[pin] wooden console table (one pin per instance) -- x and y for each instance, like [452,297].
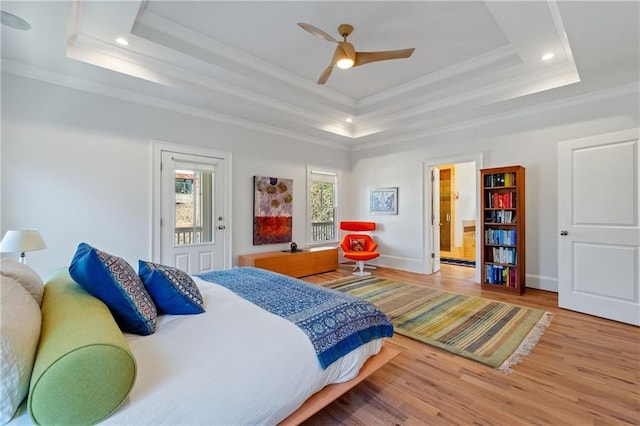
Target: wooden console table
[299,264]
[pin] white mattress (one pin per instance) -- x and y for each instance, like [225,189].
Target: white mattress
[234,364]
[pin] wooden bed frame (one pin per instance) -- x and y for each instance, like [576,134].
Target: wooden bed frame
[330,393]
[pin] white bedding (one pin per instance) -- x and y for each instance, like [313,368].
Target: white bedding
[235,364]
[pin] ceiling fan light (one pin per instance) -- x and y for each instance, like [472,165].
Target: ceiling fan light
[345,63]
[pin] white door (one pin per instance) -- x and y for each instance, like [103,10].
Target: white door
[598,218]
[435,219]
[193,231]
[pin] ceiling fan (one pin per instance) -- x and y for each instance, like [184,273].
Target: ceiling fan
[346,56]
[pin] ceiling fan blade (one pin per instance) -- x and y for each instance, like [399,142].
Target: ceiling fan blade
[317,32]
[337,54]
[367,57]
[325,74]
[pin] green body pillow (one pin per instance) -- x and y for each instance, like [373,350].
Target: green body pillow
[84,368]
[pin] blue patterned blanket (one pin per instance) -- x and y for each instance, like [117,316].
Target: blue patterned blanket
[335,322]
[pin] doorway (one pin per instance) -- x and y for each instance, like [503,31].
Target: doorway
[193,221]
[191,208]
[447,208]
[446,204]
[451,207]
[457,228]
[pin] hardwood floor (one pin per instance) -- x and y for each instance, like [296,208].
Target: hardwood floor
[583,371]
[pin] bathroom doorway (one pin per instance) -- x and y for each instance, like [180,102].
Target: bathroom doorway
[465,205]
[457,213]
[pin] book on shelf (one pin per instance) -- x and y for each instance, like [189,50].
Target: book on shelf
[500,236]
[504,255]
[496,180]
[501,275]
[496,200]
[500,216]
[510,179]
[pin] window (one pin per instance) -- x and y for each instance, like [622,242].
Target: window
[193,209]
[184,183]
[323,204]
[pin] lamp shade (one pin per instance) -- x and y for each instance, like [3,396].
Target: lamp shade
[21,241]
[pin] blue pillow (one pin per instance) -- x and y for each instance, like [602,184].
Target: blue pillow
[112,280]
[173,291]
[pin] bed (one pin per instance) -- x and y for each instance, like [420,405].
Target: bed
[235,363]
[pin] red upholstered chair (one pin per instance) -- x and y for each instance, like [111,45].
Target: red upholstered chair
[359,247]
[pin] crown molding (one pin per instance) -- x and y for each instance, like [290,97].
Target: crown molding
[81,84]
[179,69]
[466,98]
[89,86]
[96,52]
[496,56]
[207,74]
[555,105]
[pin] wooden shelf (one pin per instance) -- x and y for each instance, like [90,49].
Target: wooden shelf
[298,264]
[503,229]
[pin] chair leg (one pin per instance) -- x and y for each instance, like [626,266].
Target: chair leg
[361,272]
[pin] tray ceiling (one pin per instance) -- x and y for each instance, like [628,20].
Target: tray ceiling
[248,63]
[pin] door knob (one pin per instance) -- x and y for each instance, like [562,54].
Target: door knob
[221,227]
[564,233]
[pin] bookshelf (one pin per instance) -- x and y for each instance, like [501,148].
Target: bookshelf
[503,229]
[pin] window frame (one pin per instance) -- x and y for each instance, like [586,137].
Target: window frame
[337,173]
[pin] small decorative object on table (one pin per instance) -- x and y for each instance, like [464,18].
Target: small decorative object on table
[294,247]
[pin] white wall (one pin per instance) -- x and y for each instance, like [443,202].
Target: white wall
[530,140]
[77,166]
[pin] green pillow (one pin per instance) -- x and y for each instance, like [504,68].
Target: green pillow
[84,368]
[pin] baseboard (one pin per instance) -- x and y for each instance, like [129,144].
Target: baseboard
[542,283]
[402,263]
[538,282]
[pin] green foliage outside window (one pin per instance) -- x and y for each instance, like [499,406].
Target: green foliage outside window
[322,202]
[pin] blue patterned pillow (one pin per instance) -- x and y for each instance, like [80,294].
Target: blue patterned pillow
[173,291]
[112,280]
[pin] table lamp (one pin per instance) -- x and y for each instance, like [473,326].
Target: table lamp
[22,241]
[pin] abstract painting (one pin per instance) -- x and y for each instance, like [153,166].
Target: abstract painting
[273,210]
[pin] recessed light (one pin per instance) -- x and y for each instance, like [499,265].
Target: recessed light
[14,22]
[547,56]
[122,41]
[349,120]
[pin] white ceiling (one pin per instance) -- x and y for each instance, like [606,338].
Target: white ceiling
[249,64]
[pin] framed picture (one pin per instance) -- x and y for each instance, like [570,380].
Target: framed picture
[384,201]
[273,210]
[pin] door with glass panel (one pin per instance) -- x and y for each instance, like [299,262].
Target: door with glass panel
[192,222]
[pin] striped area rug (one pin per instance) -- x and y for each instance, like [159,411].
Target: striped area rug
[494,333]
